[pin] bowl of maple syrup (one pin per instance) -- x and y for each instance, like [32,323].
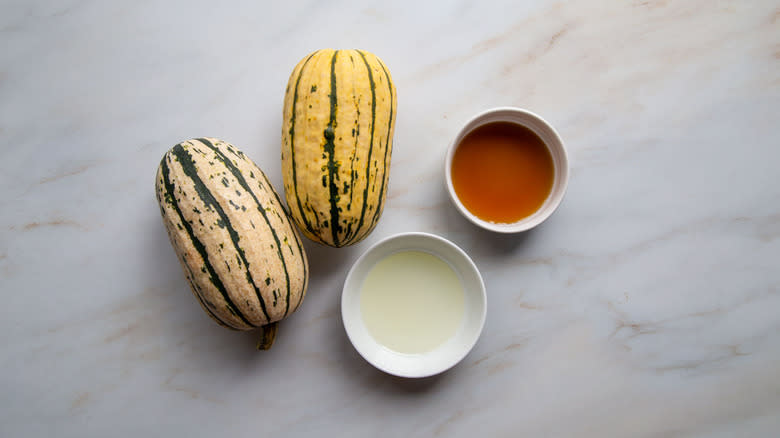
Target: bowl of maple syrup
[507,170]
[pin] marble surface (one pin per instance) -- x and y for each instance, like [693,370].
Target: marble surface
[647,306]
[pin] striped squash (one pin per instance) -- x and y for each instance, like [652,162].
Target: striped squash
[241,254]
[337,139]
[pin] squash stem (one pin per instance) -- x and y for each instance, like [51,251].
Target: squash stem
[267,336]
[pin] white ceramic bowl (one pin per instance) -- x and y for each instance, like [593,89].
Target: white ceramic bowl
[446,355]
[554,144]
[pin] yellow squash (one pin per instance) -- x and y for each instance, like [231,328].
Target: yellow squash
[337,140]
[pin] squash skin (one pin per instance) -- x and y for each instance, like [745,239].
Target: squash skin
[239,251]
[337,139]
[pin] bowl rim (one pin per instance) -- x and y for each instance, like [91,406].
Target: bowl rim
[347,316]
[557,148]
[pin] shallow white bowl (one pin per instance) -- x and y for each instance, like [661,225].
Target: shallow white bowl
[554,144]
[446,355]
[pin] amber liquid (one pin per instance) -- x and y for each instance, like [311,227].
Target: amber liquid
[502,172]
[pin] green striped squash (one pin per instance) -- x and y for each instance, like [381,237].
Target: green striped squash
[241,254]
[337,140]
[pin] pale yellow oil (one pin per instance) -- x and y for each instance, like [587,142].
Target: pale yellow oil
[412,302]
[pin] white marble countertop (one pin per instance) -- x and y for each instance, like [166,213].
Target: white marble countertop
[647,306]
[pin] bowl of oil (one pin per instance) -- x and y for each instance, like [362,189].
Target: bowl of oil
[507,170]
[413,305]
